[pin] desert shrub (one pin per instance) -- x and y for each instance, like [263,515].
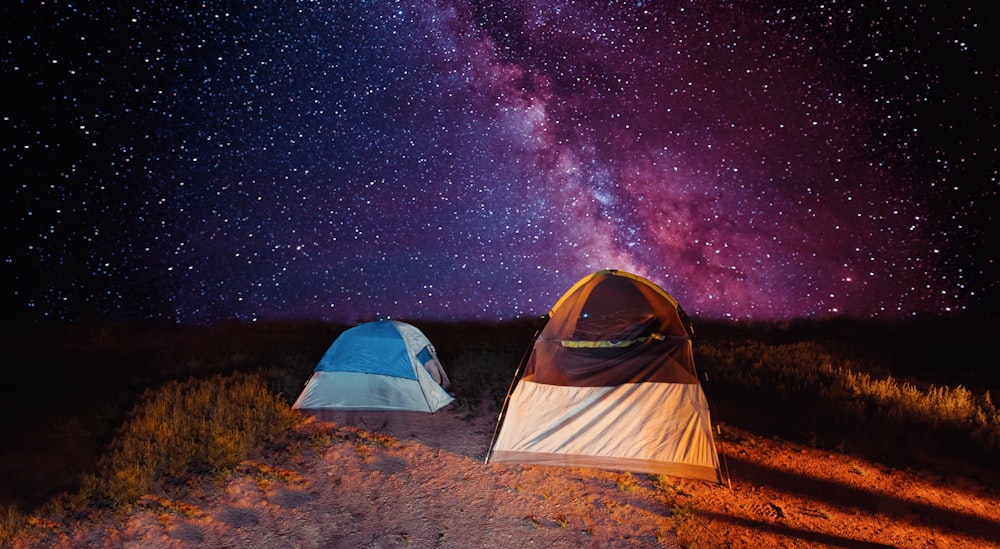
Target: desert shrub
[626,482]
[182,428]
[833,399]
[954,412]
[12,521]
[127,481]
[682,511]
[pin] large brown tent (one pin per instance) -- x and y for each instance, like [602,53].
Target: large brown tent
[610,383]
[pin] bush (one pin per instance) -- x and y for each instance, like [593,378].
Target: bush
[12,521]
[191,427]
[836,399]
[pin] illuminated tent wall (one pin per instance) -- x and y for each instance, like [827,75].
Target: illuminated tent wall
[383,365]
[610,383]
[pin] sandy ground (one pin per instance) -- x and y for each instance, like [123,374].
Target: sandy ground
[373,480]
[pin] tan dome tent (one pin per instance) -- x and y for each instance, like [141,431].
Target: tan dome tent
[382,365]
[610,383]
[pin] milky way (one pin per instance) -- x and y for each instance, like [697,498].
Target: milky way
[460,160]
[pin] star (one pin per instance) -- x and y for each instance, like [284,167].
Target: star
[454,160]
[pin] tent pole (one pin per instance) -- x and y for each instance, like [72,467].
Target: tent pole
[718,429]
[725,464]
[510,389]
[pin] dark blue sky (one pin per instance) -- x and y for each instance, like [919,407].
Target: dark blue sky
[456,160]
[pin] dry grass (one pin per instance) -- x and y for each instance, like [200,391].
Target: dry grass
[199,426]
[815,392]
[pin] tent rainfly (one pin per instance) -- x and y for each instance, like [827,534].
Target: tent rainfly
[381,365]
[610,383]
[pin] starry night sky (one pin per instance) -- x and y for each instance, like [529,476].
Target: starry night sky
[472,160]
